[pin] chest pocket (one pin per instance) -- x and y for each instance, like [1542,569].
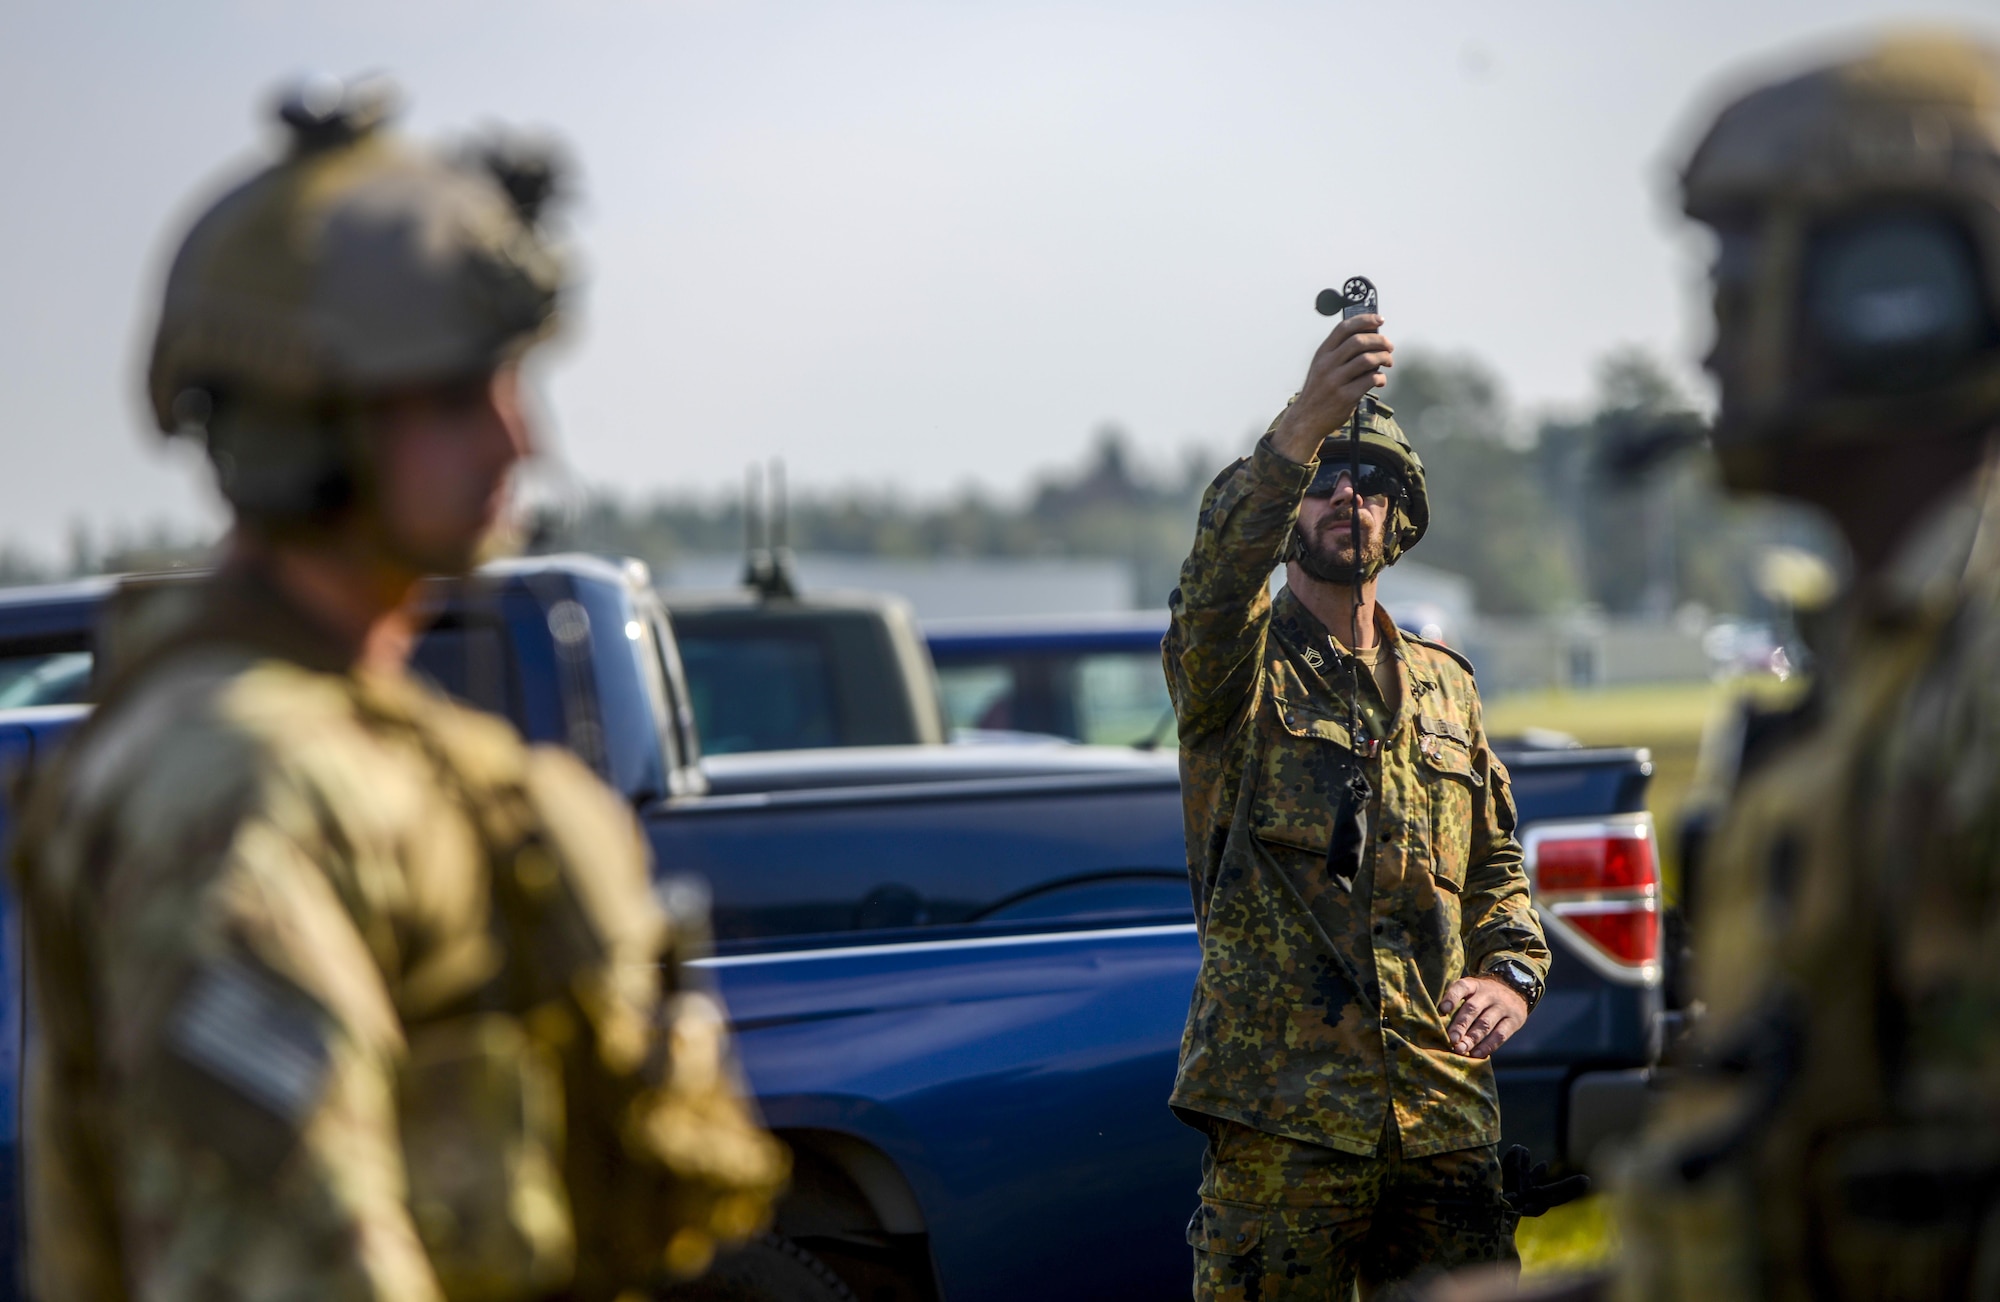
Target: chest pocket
[1444,760]
[1304,752]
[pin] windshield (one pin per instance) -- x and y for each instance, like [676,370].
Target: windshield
[49,678]
[470,665]
[1116,698]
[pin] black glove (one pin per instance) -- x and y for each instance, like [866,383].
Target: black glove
[1529,1191]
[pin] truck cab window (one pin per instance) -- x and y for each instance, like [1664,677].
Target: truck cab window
[50,678]
[1121,697]
[761,692]
[978,695]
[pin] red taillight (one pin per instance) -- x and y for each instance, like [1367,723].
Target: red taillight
[1598,863]
[1629,932]
[1600,883]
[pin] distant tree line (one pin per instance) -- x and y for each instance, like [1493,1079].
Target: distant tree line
[1110,507]
[1617,509]
[156,546]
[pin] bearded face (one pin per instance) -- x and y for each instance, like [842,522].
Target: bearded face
[1325,536]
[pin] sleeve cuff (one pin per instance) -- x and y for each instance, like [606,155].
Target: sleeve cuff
[1540,968]
[1282,476]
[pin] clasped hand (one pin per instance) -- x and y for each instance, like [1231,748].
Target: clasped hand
[1484,1012]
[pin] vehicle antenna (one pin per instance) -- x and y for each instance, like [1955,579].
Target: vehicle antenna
[778,504]
[756,551]
[782,580]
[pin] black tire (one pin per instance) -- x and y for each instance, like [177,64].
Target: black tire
[769,1268]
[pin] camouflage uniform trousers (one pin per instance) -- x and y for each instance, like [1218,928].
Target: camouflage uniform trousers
[1286,1221]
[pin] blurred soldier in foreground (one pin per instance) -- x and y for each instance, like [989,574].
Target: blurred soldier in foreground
[342,990]
[1839,1137]
[1367,940]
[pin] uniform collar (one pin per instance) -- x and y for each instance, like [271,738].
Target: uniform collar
[1303,634]
[247,608]
[241,607]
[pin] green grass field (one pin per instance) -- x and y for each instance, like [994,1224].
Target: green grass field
[1578,1237]
[1668,720]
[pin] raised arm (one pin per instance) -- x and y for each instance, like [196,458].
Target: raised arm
[1222,608]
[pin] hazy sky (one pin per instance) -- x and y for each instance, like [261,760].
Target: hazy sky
[909,244]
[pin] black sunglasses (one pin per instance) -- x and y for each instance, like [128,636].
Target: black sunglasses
[1375,481]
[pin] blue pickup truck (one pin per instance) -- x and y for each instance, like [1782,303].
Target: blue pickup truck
[1091,678]
[957,974]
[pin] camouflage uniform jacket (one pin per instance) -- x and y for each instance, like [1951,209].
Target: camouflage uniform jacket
[1848,953]
[1315,1014]
[345,992]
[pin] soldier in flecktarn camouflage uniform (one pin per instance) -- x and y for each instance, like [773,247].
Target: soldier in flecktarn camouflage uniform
[1367,940]
[342,991]
[1837,1132]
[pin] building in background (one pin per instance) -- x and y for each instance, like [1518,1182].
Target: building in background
[1584,649]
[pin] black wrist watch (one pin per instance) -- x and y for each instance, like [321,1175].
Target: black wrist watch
[1519,978]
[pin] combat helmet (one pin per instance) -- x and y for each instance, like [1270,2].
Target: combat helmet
[357,265]
[1857,284]
[1384,444]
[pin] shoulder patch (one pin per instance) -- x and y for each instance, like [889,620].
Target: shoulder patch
[1441,648]
[248,1059]
[256,1035]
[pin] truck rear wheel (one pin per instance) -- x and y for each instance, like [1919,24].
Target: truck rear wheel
[769,1268]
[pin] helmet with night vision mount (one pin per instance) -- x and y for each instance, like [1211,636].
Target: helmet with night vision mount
[1857,281]
[357,265]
